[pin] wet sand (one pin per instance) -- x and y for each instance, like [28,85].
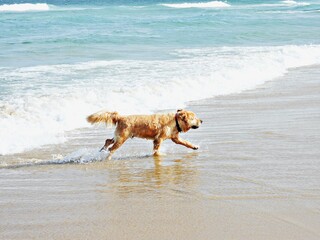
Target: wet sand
[255,176]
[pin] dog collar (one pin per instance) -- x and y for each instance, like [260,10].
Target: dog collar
[177,124]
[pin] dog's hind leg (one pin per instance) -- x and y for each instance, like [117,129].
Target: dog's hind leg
[156,146]
[107,144]
[118,142]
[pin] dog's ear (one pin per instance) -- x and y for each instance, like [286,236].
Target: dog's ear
[182,114]
[183,120]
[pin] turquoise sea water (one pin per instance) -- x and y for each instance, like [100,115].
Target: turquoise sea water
[73,31]
[61,60]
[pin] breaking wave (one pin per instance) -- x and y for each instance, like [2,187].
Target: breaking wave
[24,7]
[40,104]
[213,4]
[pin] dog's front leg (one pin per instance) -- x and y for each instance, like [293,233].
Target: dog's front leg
[185,143]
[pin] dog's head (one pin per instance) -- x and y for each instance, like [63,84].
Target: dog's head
[187,120]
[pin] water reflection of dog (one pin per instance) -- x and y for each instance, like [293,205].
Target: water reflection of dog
[161,178]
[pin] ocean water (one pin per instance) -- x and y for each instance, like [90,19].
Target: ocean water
[62,60]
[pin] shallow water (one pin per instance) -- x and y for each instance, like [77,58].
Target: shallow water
[261,143]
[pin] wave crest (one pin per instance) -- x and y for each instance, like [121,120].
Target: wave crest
[24,7]
[294,3]
[213,4]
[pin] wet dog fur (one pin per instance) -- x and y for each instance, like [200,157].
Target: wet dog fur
[156,127]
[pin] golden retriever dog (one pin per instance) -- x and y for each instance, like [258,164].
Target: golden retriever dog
[156,127]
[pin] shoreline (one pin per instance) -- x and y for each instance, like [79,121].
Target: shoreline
[255,176]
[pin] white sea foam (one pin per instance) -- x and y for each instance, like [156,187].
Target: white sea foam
[24,7]
[286,3]
[213,4]
[83,155]
[294,3]
[44,102]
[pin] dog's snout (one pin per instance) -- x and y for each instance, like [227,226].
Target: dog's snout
[201,121]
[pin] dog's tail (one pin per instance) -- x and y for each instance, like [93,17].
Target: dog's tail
[110,118]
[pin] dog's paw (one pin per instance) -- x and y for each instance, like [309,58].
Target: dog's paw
[195,147]
[159,154]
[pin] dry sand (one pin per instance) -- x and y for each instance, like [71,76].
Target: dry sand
[256,176]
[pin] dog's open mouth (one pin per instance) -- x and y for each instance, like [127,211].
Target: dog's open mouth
[194,127]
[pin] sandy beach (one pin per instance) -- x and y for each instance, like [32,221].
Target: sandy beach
[255,176]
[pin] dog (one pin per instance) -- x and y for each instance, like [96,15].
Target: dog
[156,127]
